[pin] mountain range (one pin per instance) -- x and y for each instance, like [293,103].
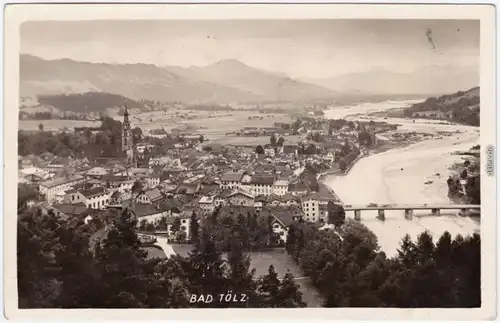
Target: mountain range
[425,81]
[226,81]
[230,81]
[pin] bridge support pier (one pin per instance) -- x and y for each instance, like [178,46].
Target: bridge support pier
[409,214]
[436,212]
[357,215]
[381,215]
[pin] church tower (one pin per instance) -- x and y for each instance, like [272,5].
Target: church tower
[127,139]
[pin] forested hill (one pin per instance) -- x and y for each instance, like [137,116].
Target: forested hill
[87,102]
[461,107]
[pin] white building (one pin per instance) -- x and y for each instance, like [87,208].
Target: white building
[96,198]
[207,204]
[261,185]
[240,197]
[280,187]
[231,180]
[52,187]
[314,207]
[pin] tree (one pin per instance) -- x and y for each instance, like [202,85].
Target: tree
[137,134]
[364,138]
[176,226]
[342,164]
[240,278]
[40,126]
[464,174]
[289,295]
[194,228]
[273,140]
[120,262]
[201,138]
[290,240]
[281,141]
[269,287]
[473,189]
[206,270]
[259,150]
[336,214]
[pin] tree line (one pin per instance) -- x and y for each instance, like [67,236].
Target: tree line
[70,264]
[104,143]
[349,270]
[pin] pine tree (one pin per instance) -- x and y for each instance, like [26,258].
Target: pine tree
[290,240]
[289,294]
[269,288]
[194,228]
[240,275]
[206,270]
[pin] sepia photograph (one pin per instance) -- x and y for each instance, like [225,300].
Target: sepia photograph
[169,163]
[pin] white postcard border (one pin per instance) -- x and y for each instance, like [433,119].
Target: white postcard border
[16,14]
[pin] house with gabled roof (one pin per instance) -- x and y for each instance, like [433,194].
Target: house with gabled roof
[51,187]
[96,197]
[151,196]
[79,210]
[240,197]
[231,180]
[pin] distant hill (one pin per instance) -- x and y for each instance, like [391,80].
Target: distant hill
[224,82]
[428,81]
[461,107]
[87,102]
[266,85]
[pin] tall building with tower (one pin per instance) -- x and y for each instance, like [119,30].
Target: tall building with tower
[128,145]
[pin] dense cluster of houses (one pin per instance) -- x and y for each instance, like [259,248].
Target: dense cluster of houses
[187,179]
[175,186]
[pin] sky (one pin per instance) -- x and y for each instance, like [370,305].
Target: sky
[306,49]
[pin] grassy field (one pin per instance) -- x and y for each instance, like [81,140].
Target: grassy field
[212,125]
[217,127]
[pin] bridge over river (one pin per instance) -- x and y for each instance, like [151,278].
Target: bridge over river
[435,209]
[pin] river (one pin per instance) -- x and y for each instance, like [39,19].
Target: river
[399,176]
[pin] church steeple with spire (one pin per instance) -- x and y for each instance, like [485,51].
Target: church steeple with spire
[127,138]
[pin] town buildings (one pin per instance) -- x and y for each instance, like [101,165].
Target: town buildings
[184,179]
[50,188]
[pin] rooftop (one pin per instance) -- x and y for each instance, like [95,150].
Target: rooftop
[154,194]
[281,182]
[61,180]
[93,192]
[232,177]
[262,179]
[78,209]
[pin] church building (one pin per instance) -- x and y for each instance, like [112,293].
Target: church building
[128,145]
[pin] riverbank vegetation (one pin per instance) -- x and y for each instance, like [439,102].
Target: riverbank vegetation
[464,184]
[65,263]
[352,272]
[460,107]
